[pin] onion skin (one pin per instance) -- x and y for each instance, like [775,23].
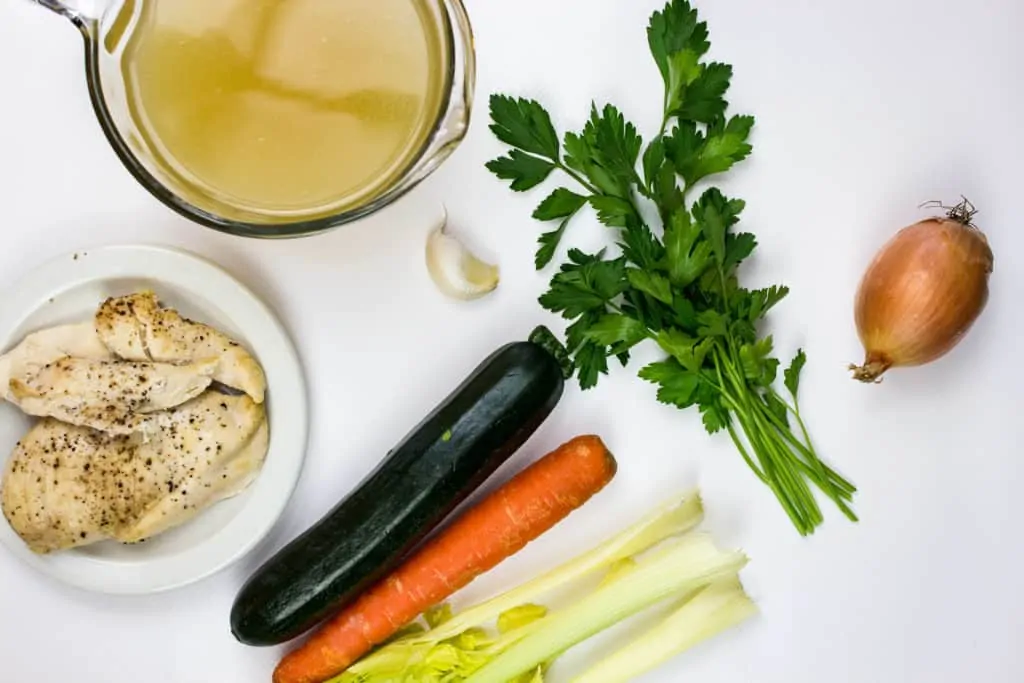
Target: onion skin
[921,294]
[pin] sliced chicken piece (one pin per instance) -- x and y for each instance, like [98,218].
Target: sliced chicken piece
[219,444]
[47,346]
[111,396]
[203,490]
[135,327]
[68,486]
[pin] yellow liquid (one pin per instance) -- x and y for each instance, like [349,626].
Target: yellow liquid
[286,109]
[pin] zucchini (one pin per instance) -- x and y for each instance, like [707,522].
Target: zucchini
[419,483]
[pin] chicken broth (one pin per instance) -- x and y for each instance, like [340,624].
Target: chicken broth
[286,109]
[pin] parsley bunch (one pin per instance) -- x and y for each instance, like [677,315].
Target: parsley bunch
[677,288]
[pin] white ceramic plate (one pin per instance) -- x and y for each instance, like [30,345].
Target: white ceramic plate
[69,289]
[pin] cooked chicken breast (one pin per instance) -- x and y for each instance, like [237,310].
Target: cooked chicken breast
[110,396]
[133,441]
[68,486]
[60,486]
[203,489]
[135,327]
[47,346]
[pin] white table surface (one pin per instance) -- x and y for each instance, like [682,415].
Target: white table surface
[864,110]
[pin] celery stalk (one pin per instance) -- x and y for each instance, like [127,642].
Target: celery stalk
[448,660]
[684,567]
[671,520]
[456,646]
[714,609]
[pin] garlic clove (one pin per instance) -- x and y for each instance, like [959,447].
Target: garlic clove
[455,270]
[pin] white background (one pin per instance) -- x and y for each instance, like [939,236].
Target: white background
[865,109]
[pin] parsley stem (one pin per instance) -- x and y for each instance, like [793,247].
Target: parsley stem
[779,483]
[792,483]
[664,118]
[577,177]
[835,479]
[833,485]
[734,407]
[771,476]
[832,479]
[773,436]
[845,487]
[776,459]
[792,476]
[743,452]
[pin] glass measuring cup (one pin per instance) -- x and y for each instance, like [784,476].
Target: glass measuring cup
[104,25]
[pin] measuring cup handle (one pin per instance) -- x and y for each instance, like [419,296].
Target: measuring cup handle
[78,11]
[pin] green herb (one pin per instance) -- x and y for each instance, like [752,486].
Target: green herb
[675,281]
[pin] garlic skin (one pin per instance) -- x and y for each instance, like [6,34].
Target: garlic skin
[921,294]
[456,271]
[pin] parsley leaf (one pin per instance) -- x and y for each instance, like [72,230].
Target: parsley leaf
[576,333]
[666,191]
[618,144]
[613,211]
[777,406]
[654,160]
[563,204]
[673,30]
[677,385]
[640,246]
[592,362]
[585,284]
[525,171]
[524,124]
[548,242]
[687,253]
[644,308]
[716,215]
[651,283]
[758,365]
[617,330]
[753,305]
[712,323]
[683,147]
[714,416]
[688,352]
[738,247]
[684,69]
[582,155]
[697,155]
[726,143]
[685,314]
[606,152]
[743,331]
[702,99]
[559,204]
[792,373]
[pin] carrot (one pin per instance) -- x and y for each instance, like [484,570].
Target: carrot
[499,526]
